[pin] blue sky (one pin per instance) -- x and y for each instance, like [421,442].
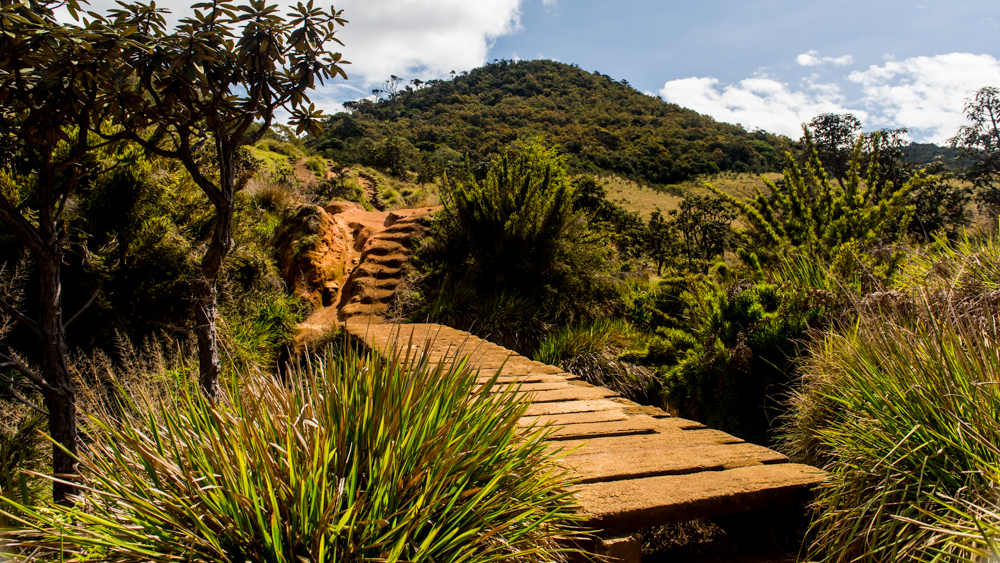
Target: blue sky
[769,64]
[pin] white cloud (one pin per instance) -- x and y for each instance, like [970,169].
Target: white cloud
[409,38]
[811,59]
[925,94]
[755,102]
[422,38]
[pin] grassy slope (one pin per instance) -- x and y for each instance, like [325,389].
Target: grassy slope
[643,199]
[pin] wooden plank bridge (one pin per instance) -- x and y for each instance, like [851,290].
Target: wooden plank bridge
[637,466]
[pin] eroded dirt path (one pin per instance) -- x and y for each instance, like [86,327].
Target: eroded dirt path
[348,261]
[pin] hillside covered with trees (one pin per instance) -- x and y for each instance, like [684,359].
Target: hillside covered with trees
[603,125]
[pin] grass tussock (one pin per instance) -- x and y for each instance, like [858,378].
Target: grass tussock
[350,457]
[593,351]
[901,409]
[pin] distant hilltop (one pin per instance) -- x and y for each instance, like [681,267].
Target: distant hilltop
[603,125]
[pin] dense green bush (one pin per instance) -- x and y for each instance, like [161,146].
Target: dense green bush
[901,408]
[724,353]
[515,234]
[594,351]
[809,213]
[354,458]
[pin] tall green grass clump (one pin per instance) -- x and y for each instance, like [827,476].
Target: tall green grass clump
[594,351]
[348,458]
[901,408]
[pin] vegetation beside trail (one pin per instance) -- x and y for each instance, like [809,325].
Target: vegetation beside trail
[833,296]
[361,457]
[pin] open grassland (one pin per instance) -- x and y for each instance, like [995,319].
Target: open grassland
[645,199]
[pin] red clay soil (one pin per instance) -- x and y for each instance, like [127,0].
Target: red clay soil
[354,262]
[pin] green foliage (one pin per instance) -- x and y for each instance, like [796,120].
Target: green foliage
[835,136]
[22,449]
[271,144]
[317,166]
[602,124]
[806,212]
[516,231]
[724,354]
[900,407]
[391,155]
[594,351]
[623,228]
[274,167]
[979,144]
[507,318]
[351,459]
[692,236]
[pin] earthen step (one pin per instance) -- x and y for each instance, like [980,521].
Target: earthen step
[379,295]
[637,503]
[379,247]
[395,260]
[371,270]
[357,309]
[362,285]
[402,237]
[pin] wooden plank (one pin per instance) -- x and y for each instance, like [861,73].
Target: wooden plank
[641,424]
[638,503]
[574,418]
[594,465]
[562,395]
[659,441]
[566,407]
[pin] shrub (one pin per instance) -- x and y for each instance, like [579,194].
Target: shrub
[22,450]
[809,213]
[505,318]
[903,414]
[317,166]
[516,231]
[724,353]
[355,459]
[594,351]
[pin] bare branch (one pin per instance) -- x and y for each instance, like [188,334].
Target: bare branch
[24,401]
[20,317]
[11,360]
[85,305]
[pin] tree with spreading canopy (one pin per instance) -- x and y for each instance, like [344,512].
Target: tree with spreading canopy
[58,110]
[980,145]
[211,87]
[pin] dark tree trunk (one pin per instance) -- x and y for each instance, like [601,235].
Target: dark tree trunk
[206,294]
[60,400]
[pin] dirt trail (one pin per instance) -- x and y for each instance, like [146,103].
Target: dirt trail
[348,261]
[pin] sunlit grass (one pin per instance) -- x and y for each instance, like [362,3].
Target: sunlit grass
[351,457]
[901,409]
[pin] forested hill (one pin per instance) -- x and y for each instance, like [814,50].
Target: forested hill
[602,124]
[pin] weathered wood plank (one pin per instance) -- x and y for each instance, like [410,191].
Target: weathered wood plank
[637,503]
[615,464]
[637,466]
